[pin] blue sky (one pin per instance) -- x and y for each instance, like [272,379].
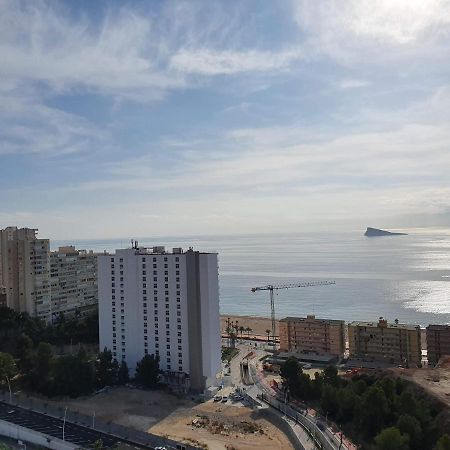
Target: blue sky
[145,118]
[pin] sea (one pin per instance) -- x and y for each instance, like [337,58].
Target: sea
[395,277]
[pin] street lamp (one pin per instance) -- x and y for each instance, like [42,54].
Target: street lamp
[9,387]
[64,424]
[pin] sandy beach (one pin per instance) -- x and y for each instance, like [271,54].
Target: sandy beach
[259,325]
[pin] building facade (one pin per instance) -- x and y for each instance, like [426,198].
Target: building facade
[167,304]
[3,296]
[73,275]
[438,343]
[25,271]
[311,335]
[390,343]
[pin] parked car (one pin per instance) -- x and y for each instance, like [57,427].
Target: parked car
[218,398]
[224,399]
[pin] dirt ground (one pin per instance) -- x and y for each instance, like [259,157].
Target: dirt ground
[259,325]
[133,408]
[222,427]
[435,381]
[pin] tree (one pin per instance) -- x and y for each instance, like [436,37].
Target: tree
[443,443]
[374,410]
[329,401]
[290,372]
[330,375]
[123,376]
[391,439]
[241,330]
[347,401]
[106,372]
[268,335]
[147,371]
[248,330]
[24,353]
[8,367]
[73,375]
[410,426]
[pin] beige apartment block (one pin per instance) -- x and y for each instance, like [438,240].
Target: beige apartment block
[311,335]
[390,343]
[25,270]
[438,343]
[74,287]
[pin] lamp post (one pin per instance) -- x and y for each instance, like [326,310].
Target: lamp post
[9,387]
[64,424]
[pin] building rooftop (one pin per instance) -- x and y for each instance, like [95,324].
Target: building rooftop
[155,250]
[382,323]
[312,318]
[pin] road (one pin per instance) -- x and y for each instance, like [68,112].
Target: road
[51,426]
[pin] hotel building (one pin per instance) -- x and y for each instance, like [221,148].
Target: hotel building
[311,335]
[162,303]
[390,343]
[438,343]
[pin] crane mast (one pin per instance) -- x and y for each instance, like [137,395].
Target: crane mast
[272,288]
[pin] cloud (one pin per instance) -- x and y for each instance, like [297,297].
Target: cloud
[227,62]
[355,29]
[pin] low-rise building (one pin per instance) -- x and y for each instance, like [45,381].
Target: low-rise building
[73,275]
[438,343]
[311,335]
[390,343]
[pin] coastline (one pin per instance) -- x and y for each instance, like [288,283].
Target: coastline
[258,324]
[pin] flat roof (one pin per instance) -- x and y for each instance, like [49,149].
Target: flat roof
[311,318]
[403,326]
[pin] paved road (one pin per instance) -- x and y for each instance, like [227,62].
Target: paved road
[42,423]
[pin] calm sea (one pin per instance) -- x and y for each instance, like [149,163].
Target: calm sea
[401,277]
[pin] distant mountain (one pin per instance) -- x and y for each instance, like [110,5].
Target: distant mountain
[374,232]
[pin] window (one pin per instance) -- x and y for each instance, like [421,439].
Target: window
[166,279]
[145,344]
[155,279]
[168,354]
[156,346]
[177,266]
[154,266]
[167,306]
[167,318]
[179,327]
[168,347]
[154,259]
[177,258]
[165,258]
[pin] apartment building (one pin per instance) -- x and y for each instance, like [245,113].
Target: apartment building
[390,343]
[438,343]
[24,271]
[311,335]
[73,275]
[162,303]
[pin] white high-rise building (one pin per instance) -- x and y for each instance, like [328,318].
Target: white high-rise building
[167,304]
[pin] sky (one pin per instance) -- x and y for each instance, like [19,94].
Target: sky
[143,118]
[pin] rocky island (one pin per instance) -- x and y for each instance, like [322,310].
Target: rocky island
[374,232]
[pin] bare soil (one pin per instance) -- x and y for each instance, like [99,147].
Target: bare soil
[435,381]
[218,426]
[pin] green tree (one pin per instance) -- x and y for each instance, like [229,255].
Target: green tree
[25,353]
[443,443]
[329,402]
[106,372]
[411,426]
[347,402]
[241,330]
[330,375]
[123,375]
[8,367]
[374,410]
[290,371]
[147,371]
[391,439]
[73,375]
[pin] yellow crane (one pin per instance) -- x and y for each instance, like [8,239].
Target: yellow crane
[272,288]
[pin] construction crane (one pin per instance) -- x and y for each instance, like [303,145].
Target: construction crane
[272,288]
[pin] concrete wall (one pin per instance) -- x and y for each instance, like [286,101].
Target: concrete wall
[17,432]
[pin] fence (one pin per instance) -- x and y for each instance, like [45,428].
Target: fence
[123,433]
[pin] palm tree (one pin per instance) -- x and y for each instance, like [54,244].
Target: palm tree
[248,330]
[268,335]
[241,330]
